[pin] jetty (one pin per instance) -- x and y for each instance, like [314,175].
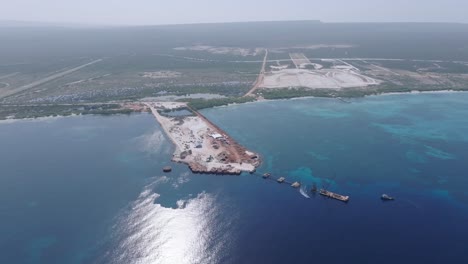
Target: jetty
[201,144]
[332,195]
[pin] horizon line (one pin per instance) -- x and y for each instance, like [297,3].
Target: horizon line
[318,21]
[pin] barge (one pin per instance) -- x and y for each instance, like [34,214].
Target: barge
[336,196]
[296,185]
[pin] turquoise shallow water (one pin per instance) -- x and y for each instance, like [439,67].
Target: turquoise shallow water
[90,189]
[413,140]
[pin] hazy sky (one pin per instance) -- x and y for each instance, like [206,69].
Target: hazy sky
[137,12]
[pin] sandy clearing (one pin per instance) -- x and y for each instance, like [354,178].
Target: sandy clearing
[223,50]
[326,78]
[161,74]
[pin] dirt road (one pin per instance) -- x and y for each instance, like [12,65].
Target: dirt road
[260,77]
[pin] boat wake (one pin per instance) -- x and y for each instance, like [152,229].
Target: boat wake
[303,191]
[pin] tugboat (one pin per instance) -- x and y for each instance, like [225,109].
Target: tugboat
[314,188]
[385,197]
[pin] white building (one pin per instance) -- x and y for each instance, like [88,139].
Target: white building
[216,136]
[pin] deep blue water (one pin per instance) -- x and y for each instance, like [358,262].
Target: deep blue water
[90,189]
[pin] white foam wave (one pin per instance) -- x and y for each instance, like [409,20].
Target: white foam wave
[183,178]
[48,119]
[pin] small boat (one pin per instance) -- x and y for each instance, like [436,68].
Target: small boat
[314,188]
[281,180]
[386,197]
[266,175]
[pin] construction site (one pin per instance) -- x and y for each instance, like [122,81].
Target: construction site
[307,74]
[199,143]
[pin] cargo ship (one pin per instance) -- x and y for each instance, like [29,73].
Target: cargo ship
[336,196]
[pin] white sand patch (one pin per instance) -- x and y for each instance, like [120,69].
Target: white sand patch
[280,67]
[313,47]
[324,46]
[161,74]
[223,50]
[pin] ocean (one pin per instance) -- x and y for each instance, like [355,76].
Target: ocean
[90,189]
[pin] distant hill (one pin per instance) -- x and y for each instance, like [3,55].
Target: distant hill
[434,41]
[18,23]
[29,24]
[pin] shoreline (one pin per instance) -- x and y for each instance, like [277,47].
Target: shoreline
[415,92]
[54,117]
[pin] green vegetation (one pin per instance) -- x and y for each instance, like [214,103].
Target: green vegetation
[34,111]
[198,104]
[162,62]
[274,94]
